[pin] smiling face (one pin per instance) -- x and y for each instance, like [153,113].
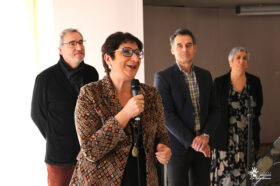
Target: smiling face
[121,66]
[239,62]
[183,49]
[72,55]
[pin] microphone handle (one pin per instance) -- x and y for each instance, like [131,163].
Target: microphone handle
[134,92]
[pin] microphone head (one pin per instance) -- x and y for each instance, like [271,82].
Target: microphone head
[135,87]
[250,103]
[247,103]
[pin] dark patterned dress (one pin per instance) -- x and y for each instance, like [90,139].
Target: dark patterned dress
[229,167]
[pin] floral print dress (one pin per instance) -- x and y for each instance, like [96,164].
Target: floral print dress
[229,167]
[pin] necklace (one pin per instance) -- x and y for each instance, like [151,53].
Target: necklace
[134,151]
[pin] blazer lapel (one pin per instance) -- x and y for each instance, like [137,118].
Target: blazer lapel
[199,84]
[109,93]
[183,88]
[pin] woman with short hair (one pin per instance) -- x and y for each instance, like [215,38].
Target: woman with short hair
[228,164]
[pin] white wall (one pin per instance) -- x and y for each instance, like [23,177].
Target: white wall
[22,151]
[22,146]
[97,19]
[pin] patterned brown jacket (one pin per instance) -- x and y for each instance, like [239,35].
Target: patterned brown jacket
[104,144]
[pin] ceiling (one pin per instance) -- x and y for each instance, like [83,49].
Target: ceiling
[209,3]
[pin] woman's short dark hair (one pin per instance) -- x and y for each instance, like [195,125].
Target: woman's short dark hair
[113,42]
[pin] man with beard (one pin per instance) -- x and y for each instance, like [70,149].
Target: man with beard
[53,103]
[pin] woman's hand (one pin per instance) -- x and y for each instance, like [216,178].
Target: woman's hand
[163,153]
[133,107]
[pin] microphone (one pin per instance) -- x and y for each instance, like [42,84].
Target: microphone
[249,104]
[135,89]
[137,150]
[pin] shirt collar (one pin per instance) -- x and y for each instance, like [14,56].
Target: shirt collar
[182,70]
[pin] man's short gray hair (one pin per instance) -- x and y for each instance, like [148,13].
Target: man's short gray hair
[66,31]
[235,50]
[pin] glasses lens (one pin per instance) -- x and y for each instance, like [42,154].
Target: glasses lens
[81,42]
[72,43]
[138,52]
[127,52]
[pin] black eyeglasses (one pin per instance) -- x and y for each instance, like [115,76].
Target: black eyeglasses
[128,52]
[73,44]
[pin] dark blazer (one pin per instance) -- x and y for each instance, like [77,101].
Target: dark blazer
[178,107]
[52,110]
[222,86]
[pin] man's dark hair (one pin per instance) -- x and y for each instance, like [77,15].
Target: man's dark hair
[182,31]
[113,42]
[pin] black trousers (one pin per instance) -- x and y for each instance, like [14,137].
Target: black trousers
[190,169]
